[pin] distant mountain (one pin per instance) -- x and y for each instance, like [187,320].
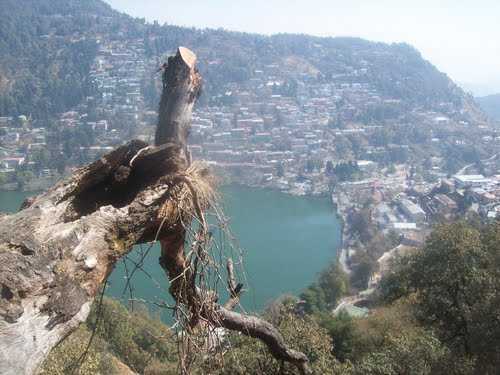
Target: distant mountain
[490,105]
[47,48]
[481,89]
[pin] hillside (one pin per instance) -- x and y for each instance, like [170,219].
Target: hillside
[490,105]
[47,49]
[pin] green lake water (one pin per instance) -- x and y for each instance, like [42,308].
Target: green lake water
[285,242]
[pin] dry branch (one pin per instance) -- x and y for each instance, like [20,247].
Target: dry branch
[58,250]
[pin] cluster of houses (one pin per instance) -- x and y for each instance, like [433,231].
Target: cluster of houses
[406,209]
[111,117]
[279,129]
[266,136]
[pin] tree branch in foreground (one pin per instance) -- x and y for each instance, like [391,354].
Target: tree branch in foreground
[57,251]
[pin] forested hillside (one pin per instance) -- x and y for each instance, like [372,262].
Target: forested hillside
[47,49]
[396,70]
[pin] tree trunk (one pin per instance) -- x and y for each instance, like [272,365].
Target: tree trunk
[58,250]
[56,253]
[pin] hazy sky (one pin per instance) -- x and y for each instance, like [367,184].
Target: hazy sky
[461,37]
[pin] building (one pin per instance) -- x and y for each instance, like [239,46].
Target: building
[402,227]
[413,211]
[470,180]
[445,204]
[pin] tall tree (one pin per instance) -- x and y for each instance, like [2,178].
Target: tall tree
[455,283]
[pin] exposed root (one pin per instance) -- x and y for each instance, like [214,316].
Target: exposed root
[194,276]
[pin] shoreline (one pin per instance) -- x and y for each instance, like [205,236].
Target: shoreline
[342,251]
[275,190]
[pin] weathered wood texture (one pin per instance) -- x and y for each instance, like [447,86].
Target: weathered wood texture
[57,251]
[181,87]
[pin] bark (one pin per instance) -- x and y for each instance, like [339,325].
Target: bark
[58,250]
[181,88]
[56,253]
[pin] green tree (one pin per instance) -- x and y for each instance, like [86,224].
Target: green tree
[249,356]
[314,299]
[334,283]
[412,352]
[455,284]
[341,329]
[363,265]
[134,337]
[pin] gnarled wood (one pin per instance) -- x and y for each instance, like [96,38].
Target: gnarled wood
[260,329]
[57,251]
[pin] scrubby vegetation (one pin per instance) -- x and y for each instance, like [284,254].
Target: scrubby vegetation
[134,338]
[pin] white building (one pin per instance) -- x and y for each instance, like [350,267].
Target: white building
[471,180]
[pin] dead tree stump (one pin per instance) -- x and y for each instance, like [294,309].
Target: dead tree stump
[58,250]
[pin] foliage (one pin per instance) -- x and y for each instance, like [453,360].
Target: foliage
[390,341]
[46,75]
[363,265]
[332,284]
[249,356]
[360,223]
[455,282]
[341,329]
[314,299]
[134,337]
[346,171]
[65,356]
[411,352]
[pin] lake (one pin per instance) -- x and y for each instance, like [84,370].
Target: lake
[285,240]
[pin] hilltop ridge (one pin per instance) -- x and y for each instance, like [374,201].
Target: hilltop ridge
[51,56]
[491,105]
